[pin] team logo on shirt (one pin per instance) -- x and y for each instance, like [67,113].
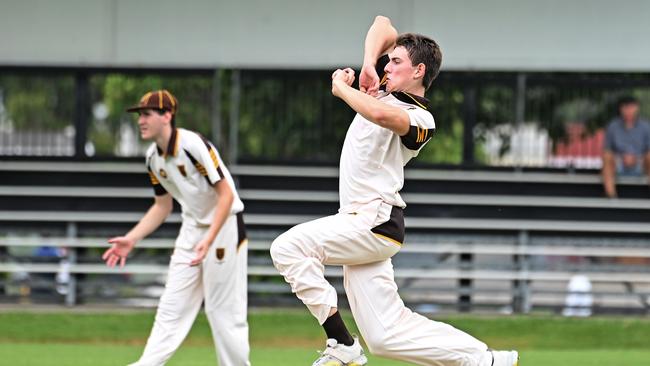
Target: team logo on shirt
[220,252]
[163,173]
[181,168]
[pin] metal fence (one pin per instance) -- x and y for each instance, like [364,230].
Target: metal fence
[487,118]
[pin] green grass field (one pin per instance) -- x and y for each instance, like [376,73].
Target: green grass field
[292,338]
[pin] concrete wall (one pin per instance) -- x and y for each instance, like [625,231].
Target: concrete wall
[585,35]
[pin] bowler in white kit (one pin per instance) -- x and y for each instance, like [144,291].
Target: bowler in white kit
[392,125]
[209,259]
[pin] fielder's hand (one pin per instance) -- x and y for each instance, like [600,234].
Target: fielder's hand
[118,252]
[369,80]
[201,250]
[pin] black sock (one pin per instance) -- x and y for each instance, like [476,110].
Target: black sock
[335,328]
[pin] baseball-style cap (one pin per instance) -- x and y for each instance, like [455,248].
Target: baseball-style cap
[157,99]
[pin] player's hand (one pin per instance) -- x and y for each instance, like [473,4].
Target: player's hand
[346,76]
[369,80]
[119,250]
[201,251]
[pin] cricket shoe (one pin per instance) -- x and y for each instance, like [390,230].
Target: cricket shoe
[505,358]
[336,354]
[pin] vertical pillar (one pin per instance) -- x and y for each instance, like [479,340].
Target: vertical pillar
[235,96]
[71,295]
[465,284]
[81,113]
[217,136]
[521,288]
[469,113]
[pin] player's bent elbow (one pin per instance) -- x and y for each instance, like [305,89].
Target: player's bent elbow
[165,205]
[386,27]
[227,197]
[380,19]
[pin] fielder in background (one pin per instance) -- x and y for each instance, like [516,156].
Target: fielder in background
[390,128]
[209,259]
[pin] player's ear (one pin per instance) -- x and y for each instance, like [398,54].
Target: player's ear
[419,70]
[168,115]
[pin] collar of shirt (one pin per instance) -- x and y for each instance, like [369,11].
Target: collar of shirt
[413,99]
[172,145]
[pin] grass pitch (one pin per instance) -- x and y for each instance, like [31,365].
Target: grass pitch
[292,338]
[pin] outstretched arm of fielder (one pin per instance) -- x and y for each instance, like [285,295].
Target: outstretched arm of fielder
[380,39]
[121,246]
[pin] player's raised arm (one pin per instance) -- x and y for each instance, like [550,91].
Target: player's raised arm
[383,114]
[121,246]
[379,40]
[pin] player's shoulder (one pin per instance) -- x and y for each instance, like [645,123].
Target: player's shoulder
[423,115]
[150,154]
[189,138]
[413,104]
[151,151]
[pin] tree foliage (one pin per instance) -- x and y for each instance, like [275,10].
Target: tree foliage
[289,116]
[38,102]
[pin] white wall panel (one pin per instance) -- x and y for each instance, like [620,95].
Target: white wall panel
[590,35]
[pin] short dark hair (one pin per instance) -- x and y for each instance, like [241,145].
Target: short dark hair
[627,99]
[425,50]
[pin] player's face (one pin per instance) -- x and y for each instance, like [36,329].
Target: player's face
[151,124]
[400,73]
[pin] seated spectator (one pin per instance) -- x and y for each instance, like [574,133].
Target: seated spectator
[627,146]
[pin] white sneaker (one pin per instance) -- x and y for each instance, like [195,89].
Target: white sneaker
[336,354]
[505,358]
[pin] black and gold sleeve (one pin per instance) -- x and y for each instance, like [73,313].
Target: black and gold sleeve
[417,137]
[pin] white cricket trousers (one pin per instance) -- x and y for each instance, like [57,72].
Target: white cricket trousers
[220,281]
[389,328]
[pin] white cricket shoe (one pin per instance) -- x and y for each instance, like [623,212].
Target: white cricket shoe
[505,358]
[336,354]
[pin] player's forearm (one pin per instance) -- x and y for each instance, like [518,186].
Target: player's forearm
[221,212]
[380,113]
[380,38]
[154,217]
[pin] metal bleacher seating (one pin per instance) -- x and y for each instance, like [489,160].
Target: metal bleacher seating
[494,239]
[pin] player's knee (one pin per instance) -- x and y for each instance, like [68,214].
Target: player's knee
[378,345]
[281,249]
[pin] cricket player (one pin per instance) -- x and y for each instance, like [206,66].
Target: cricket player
[209,259]
[390,128]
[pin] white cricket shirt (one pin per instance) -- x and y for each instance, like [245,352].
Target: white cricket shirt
[373,157]
[188,170]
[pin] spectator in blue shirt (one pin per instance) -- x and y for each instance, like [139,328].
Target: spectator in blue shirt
[627,145]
